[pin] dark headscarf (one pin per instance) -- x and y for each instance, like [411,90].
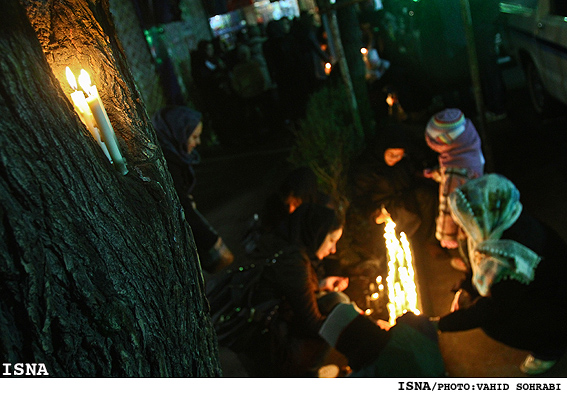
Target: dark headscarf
[174,125]
[302,183]
[308,226]
[393,136]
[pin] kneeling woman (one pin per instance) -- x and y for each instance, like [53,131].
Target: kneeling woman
[293,347]
[518,273]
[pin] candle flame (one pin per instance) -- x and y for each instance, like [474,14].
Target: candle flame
[85,81]
[364,51]
[71,78]
[402,290]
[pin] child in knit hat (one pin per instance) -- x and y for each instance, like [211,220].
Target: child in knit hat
[456,140]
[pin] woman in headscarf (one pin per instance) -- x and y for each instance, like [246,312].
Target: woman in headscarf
[179,131]
[293,347]
[298,187]
[384,177]
[518,273]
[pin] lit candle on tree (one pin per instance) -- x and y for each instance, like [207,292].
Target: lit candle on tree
[99,113]
[364,52]
[84,112]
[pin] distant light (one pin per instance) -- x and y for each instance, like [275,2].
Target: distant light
[364,51]
[333,1]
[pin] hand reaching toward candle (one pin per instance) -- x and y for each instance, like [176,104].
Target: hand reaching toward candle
[333,283]
[383,324]
[449,244]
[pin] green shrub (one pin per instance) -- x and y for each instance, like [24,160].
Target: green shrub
[327,139]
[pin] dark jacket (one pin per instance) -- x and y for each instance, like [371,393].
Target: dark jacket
[184,181]
[292,346]
[409,349]
[294,279]
[526,316]
[174,126]
[375,184]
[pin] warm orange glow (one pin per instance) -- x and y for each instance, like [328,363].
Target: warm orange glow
[402,290]
[364,51]
[328,67]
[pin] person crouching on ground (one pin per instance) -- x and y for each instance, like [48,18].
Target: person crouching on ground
[179,129]
[410,348]
[518,274]
[293,348]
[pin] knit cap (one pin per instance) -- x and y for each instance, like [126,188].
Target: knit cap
[445,126]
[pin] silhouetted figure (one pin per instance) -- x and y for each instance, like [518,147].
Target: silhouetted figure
[250,86]
[309,60]
[278,51]
[299,187]
[385,177]
[485,15]
[211,78]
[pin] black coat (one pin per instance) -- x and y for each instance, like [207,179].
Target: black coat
[184,181]
[294,279]
[531,317]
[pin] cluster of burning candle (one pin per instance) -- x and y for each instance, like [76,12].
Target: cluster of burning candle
[374,297]
[401,286]
[92,113]
[398,292]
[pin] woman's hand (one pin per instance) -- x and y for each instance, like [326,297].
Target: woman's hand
[462,300]
[383,324]
[449,244]
[382,217]
[333,283]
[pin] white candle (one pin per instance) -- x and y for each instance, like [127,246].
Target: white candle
[99,113]
[84,112]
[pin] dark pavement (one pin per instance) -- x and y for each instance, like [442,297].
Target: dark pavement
[530,151]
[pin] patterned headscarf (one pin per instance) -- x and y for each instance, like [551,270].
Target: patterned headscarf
[174,125]
[485,208]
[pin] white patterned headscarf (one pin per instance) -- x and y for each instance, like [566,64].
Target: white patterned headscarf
[485,207]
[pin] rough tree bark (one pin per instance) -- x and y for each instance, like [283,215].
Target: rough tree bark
[98,271]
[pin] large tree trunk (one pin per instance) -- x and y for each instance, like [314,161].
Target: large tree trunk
[98,271]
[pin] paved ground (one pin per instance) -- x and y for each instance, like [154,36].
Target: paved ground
[232,186]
